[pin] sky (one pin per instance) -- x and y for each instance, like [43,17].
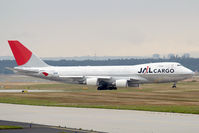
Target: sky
[66,28]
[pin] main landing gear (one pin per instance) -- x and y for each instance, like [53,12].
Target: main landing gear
[105,86]
[174,85]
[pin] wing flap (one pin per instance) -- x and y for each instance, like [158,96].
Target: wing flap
[137,78]
[84,77]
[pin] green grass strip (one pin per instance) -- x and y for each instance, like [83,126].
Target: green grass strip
[5,127]
[158,108]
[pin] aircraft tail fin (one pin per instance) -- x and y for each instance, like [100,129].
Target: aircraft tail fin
[23,56]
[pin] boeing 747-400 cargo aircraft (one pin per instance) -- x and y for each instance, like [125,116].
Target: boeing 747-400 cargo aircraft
[104,77]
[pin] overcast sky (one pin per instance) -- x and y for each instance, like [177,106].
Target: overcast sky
[54,28]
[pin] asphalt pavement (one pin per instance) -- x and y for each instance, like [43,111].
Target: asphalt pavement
[104,120]
[36,128]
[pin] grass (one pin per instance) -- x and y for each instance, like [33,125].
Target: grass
[158,108]
[5,127]
[152,97]
[26,101]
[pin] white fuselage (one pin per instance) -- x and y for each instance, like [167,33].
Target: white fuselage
[144,73]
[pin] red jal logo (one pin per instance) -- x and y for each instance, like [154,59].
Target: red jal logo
[150,70]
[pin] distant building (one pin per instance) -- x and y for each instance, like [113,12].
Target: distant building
[171,56]
[156,56]
[186,55]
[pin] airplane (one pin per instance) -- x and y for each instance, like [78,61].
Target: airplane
[104,77]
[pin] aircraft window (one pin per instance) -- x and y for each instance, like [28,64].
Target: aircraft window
[178,65]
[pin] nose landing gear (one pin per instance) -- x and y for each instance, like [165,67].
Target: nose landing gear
[174,85]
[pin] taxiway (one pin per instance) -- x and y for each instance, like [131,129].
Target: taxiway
[106,120]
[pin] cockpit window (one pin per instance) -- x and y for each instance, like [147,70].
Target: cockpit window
[178,65]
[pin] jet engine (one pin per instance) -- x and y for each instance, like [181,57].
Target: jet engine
[91,81]
[121,83]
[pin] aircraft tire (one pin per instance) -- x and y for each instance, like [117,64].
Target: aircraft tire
[112,88]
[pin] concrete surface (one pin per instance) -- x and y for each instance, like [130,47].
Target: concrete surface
[107,120]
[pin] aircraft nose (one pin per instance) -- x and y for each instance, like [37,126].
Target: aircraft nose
[189,72]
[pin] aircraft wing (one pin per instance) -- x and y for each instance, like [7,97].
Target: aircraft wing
[79,78]
[137,78]
[83,79]
[75,77]
[105,78]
